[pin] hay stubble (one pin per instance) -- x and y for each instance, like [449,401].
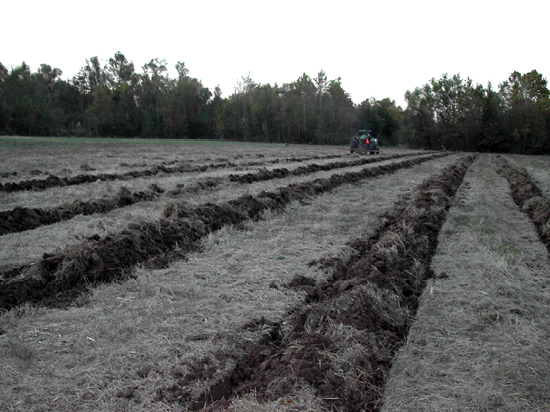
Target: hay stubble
[125,342]
[479,341]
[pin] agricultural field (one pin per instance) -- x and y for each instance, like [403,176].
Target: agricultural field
[157,275]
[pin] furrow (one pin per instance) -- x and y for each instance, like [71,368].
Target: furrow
[21,219]
[56,181]
[528,197]
[58,278]
[341,342]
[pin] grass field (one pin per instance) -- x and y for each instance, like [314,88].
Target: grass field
[219,276]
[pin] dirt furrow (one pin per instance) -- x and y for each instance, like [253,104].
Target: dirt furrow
[479,341]
[21,218]
[56,181]
[342,341]
[528,197]
[304,170]
[24,218]
[58,278]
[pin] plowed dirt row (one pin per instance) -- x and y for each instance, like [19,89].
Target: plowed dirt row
[480,339]
[537,167]
[98,189]
[128,341]
[23,218]
[373,294]
[29,246]
[44,158]
[27,159]
[57,279]
[55,181]
[528,197]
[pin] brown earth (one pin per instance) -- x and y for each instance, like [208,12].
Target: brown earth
[528,197]
[21,218]
[305,170]
[57,279]
[55,181]
[375,294]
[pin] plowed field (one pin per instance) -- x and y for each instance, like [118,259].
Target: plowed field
[190,276]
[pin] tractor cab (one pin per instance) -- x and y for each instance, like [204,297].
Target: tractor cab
[367,143]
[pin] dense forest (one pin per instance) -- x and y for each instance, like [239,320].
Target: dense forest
[113,100]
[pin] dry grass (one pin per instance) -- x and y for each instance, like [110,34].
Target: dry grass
[57,196]
[480,339]
[33,158]
[304,401]
[118,347]
[538,168]
[27,247]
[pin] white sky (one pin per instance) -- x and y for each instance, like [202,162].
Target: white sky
[378,48]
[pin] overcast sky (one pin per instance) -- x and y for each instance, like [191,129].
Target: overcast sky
[378,48]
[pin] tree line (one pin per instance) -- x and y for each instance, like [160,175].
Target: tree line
[453,113]
[114,100]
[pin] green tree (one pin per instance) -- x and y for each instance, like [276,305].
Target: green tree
[120,71]
[266,113]
[527,103]
[213,107]
[151,95]
[89,77]
[446,114]
[420,115]
[493,136]
[299,109]
[187,112]
[122,80]
[99,117]
[383,118]
[4,115]
[69,106]
[340,114]
[28,102]
[228,121]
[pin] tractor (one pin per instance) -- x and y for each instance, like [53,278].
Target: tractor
[367,143]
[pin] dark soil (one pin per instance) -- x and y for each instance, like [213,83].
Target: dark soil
[22,218]
[375,295]
[55,181]
[305,170]
[528,197]
[57,279]
[112,258]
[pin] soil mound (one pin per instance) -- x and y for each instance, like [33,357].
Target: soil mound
[342,340]
[528,197]
[112,258]
[23,218]
[55,181]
